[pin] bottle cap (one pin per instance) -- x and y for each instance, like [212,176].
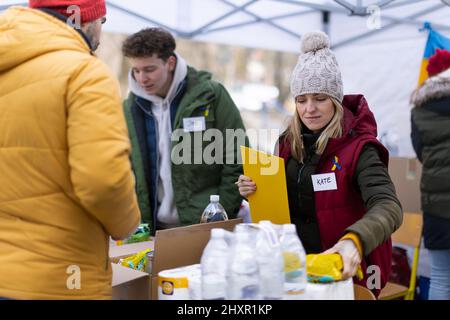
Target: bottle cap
[214,198]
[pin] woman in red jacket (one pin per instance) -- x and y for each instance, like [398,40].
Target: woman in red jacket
[355,212]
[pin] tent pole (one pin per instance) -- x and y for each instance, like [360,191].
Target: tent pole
[134,14]
[389,26]
[243,24]
[326,22]
[262,20]
[235,10]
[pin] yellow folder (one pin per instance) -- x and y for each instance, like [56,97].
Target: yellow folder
[270,201]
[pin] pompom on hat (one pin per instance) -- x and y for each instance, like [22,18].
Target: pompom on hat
[439,62]
[90,10]
[317,70]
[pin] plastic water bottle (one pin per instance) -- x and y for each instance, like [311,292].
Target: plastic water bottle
[271,262]
[214,267]
[214,211]
[294,263]
[243,271]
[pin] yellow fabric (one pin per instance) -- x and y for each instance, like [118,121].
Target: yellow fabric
[65,176]
[423,72]
[357,241]
[355,238]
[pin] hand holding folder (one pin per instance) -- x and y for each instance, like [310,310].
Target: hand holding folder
[270,201]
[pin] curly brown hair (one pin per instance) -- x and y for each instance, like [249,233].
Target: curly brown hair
[148,42]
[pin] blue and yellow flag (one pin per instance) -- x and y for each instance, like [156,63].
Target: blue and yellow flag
[435,41]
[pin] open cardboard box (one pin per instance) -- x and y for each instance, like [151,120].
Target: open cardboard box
[406,174]
[129,284]
[173,248]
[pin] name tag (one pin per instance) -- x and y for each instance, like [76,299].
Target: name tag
[194,124]
[324,182]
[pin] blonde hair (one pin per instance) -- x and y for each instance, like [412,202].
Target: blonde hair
[334,129]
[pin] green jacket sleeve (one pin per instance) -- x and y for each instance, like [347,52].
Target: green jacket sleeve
[229,121]
[384,213]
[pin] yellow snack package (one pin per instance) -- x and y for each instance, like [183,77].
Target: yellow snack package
[137,261]
[326,268]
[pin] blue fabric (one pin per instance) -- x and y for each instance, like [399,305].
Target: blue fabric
[435,41]
[146,132]
[440,275]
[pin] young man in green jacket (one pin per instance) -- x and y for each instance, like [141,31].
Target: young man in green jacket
[185,131]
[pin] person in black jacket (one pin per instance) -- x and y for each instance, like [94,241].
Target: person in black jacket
[430,133]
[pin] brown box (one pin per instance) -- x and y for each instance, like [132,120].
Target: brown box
[118,252]
[173,248]
[405,174]
[129,284]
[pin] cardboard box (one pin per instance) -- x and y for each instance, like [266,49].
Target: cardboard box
[118,252]
[406,174]
[173,248]
[129,284]
[182,246]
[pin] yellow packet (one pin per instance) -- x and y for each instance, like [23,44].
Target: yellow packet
[137,261]
[327,266]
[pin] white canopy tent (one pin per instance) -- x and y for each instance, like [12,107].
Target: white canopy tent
[377,42]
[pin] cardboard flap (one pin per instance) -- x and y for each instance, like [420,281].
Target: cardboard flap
[129,284]
[184,246]
[123,274]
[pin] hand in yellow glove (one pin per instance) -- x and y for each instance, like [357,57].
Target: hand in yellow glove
[351,258]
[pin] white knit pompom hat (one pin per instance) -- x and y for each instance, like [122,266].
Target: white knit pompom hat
[317,70]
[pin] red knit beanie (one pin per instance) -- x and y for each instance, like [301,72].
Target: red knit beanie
[90,9]
[439,62]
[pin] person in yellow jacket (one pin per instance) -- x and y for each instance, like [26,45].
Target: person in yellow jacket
[66,183]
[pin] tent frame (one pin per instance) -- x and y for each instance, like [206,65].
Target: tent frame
[340,7]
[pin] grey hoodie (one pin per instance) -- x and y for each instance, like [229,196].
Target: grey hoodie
[167,215]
